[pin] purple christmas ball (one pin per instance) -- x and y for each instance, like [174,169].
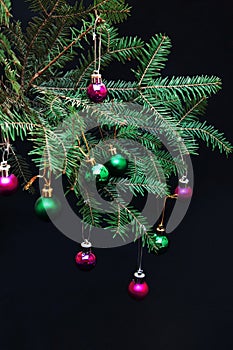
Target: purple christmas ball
[8,184]
[97,92]
[85,260]
[138,290]
[184,192]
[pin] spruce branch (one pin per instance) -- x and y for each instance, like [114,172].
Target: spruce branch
[5,6]
[20,167]
[43,8]
[208,134]
[55,59]
[43,101]
[184,87]
[31,44]
[192,109]
[160,45]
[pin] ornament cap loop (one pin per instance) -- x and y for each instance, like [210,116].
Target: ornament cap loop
[86,244]
[184,180]
[96,77]
[47,192]
[139,274]
[113,150]
[160,229]
[4,169]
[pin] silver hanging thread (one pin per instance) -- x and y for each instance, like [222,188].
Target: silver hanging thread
[140,254]
[95,47]
[86,240]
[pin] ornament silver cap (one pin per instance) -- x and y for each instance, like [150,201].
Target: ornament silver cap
[184,180]
[96,78]
[139,274]
[86,244]
[4,168]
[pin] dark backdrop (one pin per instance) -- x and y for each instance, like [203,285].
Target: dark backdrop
[46,304]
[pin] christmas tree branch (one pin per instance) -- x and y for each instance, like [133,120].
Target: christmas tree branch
[19,167]
[81,13]
[108,51]
[208,133]
[152,59]
[139,221]
[5,8]
[43,8]
[56,37]
[180,86]
[28,128]
[191,110]
[39,73]
[30,46]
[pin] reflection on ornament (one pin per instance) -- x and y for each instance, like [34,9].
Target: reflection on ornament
[47,208]
[138,288]
[85,259]
[8,183]
[100,171]
[161,242]
[97,91]
[117,164]
[184,192]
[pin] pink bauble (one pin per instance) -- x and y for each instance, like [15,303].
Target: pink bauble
[184,192]
[8,184]
[97,92]
[138,290]
[85,260]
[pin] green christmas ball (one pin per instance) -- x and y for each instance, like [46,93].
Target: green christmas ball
[100,172]
[161,242]
[47,208]
[117,164]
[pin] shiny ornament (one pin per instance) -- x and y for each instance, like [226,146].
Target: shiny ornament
[117,164]
[138,288]
[100,172]
[85,259]
[47,208]
[97,91]
[161,242]
[184,192]
[8,185]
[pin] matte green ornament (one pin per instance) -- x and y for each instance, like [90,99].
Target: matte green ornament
[161,242]
[117,164]
[100,171]
[47,208]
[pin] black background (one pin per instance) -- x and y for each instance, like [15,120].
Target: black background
[47,304]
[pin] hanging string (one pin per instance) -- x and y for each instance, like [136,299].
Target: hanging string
[95,46]
[95,43]
[180,141]
[100,48]
[5,150]
[86,240]
[174,196]
[140,253]
[163,211]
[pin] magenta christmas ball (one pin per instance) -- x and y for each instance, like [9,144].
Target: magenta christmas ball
[85,260]
[8,184]
[138,290]
[97,92]
[184,192]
